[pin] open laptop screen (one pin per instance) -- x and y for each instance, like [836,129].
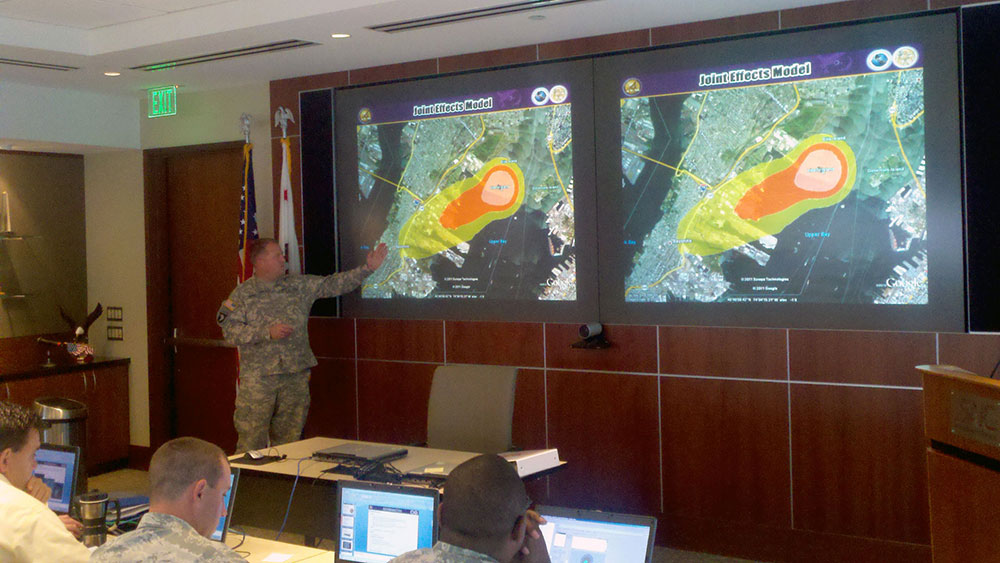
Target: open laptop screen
[59,467]
[228,500]
[592,536]
[379,521]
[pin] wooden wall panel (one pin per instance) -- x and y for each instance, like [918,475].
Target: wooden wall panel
[610,441]
[333,408]
[591,45]
[750,23]
[488,59]
[388,339]
[846,11]
[398,71]
[332,337]
[495,343]
[633,349]
[858,464]
[875,358]
[392,401]
[724,352]
[203,407]
[977,353]
[725,450]
[528,432]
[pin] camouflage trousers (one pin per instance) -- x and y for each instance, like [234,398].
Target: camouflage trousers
[271,409]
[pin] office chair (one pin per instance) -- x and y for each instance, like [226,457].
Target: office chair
[471,408]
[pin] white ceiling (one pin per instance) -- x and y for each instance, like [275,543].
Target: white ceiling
[113,35]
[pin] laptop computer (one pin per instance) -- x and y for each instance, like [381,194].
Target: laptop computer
[361,452]
[59,468]
[592,536]
[380,521]
[229,499]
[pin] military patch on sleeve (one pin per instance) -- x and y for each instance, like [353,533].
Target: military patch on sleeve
[228,304]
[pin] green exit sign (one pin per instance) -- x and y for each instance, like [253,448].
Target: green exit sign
[161,101]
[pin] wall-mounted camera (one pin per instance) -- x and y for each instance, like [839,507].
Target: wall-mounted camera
[593,337]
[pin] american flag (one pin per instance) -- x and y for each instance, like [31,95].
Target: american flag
[248,215]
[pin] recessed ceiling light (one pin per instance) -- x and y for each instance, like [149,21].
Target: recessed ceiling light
[112,73]
[340,35]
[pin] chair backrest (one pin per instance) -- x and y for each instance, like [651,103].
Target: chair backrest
[471,408]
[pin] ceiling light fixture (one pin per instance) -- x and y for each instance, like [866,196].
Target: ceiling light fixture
[340,35]
[112,73]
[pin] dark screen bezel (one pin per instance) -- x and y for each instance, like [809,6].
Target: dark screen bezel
[938,34]
[578,76]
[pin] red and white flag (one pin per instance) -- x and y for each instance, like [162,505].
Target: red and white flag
[286,214]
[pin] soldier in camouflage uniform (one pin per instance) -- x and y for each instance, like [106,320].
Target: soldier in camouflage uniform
[484,518]
[266,317]
[188,478]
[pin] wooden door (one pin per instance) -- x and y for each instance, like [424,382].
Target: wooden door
[203,188]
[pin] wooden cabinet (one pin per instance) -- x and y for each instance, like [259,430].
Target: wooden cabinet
[108,418]
[103,387]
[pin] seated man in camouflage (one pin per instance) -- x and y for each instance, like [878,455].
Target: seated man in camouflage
[188,478]
[484,518]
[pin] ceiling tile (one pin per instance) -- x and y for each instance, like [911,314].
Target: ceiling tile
[168,5]
[80,14]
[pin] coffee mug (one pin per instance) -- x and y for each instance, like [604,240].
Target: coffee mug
[92,511]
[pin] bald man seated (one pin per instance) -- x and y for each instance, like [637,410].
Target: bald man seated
[484,517]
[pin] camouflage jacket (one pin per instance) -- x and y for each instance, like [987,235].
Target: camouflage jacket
[443,553]
[255,305]
[163,538]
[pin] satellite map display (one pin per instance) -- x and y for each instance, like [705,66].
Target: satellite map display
[472,195]
[799,180]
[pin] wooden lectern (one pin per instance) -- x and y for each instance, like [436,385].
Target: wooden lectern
[962,424]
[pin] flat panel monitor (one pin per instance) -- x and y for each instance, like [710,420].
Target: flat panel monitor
[59,468]
[481,185]
[591,536]
[379,521]
[228,500]
[798,179]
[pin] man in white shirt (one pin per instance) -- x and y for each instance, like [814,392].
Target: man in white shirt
[29,530]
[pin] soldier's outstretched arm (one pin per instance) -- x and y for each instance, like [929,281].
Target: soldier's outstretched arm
[236,328]
[344,282]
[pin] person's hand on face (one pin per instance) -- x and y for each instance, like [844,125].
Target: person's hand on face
[38,489]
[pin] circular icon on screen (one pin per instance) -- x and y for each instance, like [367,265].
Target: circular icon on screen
[905,57]
[540,96]
[365,115]
[879,59]
[558,94]
[632,86]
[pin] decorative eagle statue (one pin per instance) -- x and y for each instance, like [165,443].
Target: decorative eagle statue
[77,346]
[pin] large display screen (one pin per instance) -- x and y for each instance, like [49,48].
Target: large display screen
[799,179]
[481,185]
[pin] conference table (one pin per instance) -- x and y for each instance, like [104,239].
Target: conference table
[263,491]
[260,550]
